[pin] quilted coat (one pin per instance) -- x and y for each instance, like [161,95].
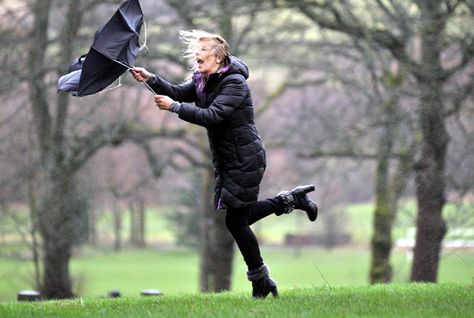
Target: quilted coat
[223,105]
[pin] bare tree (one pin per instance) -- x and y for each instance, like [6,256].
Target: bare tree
[431,76]
[63,150]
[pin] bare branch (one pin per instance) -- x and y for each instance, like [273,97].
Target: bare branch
[350,154]
[460,97]
[467,51]
[186,11]
[84,147]
[156,166]
[331,18]
[193,161]
[281,89]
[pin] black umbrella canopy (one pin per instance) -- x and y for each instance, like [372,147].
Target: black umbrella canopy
[114,50]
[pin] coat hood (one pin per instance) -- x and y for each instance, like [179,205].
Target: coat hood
[237,66]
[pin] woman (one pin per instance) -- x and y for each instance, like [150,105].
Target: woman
[217,97]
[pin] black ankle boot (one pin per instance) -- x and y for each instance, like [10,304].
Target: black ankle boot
[297,199]
[262,284]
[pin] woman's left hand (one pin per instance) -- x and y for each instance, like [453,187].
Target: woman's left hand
[163,102]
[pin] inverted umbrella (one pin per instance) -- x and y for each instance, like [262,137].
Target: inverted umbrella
[114,50]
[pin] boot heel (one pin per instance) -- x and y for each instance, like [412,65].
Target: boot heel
[297,199]
[274,292]
[308,188]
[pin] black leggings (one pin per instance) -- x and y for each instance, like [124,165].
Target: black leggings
[238,221]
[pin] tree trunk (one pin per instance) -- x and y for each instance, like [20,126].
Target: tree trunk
[52,210]
[142,225]
[117,224]
[430,185]
[431,227]
[93,235]
[38,91]
[386,197]
[32,193]
[205,222]
[217,245]
[55,227]
[133,223]
[381,243]
[34,227]
[56,282]
[137,222]
[222,254]
[56,278]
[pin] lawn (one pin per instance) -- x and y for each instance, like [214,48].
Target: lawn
[176,271]
[97,271]
[396,300]
[355,219]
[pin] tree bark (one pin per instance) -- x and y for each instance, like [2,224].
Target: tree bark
[381,243]
[431,227]
[216,243]
[142,225]
[117,224]
[430,185]
[93,237]
[133,223]
[56,228]
[222,254]
[205,226]
[56,282]
[386,196]
[137,222]
[56,277]
[38,91]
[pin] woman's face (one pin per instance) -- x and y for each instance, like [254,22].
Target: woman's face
[207,61]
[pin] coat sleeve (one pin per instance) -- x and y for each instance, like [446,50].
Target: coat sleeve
[233,91]
[184,92]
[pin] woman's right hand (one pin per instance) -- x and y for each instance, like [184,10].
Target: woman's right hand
[140,74]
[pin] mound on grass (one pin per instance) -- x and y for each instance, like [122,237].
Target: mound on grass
[397,300]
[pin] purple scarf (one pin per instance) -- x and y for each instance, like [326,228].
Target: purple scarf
[201,82]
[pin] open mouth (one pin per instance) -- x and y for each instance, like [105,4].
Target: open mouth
[199,61]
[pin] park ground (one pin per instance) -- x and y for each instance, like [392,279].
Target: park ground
[395,300]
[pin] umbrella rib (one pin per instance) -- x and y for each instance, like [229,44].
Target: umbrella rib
[128,69]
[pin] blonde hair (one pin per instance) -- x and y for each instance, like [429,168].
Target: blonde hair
[192,38]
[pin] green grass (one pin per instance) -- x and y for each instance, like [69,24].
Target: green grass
[95,272]
[400,300]
[173,272]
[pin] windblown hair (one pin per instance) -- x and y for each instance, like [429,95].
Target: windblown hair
[191,40]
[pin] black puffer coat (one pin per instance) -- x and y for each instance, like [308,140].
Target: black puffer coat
[224,107]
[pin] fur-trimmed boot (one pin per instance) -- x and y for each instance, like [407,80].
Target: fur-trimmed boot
[297,199]
[262,284]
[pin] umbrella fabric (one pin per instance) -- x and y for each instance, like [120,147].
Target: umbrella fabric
[70,82]
[114,50]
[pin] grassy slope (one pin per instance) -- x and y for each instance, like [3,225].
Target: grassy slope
[400,300]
